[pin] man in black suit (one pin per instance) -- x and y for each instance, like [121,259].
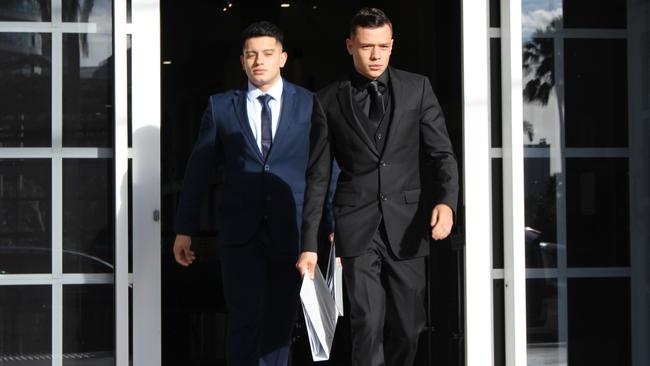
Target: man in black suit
[260,134]
[398,187]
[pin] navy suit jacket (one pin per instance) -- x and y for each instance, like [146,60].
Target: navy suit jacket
[255,189]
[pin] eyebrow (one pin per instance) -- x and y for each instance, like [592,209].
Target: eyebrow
[375,44]
[264,50]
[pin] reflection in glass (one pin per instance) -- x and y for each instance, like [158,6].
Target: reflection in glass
[542,323]
[26,325]
[597,212]
[26,92]
[599,321]
[541,215]
[541,104]
[25,10]
[495,14]
[495,92]
[87,215]
[497,213]
[87,90]
[25,221]
[539,16]
[88,325]
[499,323]
[98,12]
[596,92]
[595,14]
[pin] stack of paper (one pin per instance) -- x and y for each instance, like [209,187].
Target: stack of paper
[322,304]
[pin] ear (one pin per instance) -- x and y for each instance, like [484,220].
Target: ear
[283,59]
[348,45]
[241,60]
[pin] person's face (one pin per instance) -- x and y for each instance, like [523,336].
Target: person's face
[370,49]
[262,58]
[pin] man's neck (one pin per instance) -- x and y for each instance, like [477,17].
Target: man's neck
[266,87]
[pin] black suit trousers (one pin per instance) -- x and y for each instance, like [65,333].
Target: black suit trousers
[262,293]
[386,298]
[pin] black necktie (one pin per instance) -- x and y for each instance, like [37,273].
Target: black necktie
[376,103]
[266,123]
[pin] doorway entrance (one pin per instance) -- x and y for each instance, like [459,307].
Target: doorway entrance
[200,53]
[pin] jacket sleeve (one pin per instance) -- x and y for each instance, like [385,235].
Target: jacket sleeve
[330,198]
[318,178]
[439,153]
[199,168]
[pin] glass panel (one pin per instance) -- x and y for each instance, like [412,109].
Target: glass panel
[130,205]
[596,92]
[542,323]
[499,323]
[129,96]
[128,11]
[495,91]
[88,325]
[594,14]
[541,108]
[88,215]
[25,325]
[99,12]
[497,213]
[495,13]
[599,321]
[25,10]
[87,90]
[541,213]
[26,93]
[597,212]
[540,16]
[25,222]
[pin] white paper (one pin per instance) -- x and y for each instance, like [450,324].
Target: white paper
[321,315]
[335,280]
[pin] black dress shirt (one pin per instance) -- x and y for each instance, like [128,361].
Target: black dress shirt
[361,106]
[360,93]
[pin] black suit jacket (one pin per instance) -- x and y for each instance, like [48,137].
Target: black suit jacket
[416,169]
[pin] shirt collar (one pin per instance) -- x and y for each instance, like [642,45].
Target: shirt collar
[361,82]
[275,92]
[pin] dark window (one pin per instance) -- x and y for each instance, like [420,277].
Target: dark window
[597,212]
[596,92]
[26,92]
[599,321]
[594,14]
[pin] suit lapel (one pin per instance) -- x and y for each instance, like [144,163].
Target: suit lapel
[239,105]
[397,93]
[344,97]
[287,110]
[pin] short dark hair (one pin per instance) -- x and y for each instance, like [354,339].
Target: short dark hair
[369,18]
[261,29]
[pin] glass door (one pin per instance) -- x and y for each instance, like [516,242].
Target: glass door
[67,193]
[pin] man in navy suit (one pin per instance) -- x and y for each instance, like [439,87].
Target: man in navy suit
[260,135]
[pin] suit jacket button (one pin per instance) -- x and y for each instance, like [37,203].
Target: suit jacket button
[383,197]
[383,163]
[267,168]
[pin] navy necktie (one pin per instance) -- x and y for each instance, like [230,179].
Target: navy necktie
[376,112]
[266,124]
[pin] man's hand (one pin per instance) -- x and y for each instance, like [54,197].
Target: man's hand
[307,262]
[182,252]
[442,219]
